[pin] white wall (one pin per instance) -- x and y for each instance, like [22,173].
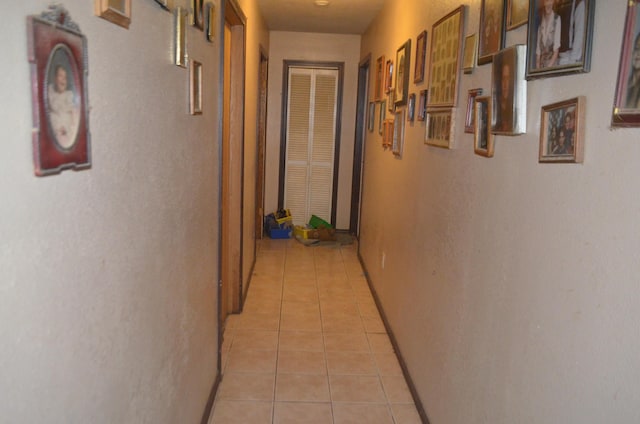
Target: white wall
[313,47]
[511,286]
[108,276]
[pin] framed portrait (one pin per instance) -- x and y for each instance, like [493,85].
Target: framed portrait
[180,37]
[469,56]
[559,38]
[483,139]
[440,126]
[509,91]
[517,13]
[383,114]
[391,104]
[397,143]
[165,4]
[421,55]
[411,107]
[380,79]
[561,131]
[195,87]
[210,22]
[491,33]
[446,52]
[115,11]
[403,60]
[388,76]
[469,123]
[626,106]
[422,105]
[371,116]
[57,53]
[387,137]
[196,17]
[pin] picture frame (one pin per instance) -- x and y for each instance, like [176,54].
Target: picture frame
[562,131]
[517,13]
[403,67]
[114,11]
[469,123]
[421,56]
[483,140]
[491,33]
[387,137]
[210,20]
[440,127]
[469,56]
[422,105]
[397,144]
[380,80]
[165,4]
[509,91]
[568,53]
[626,106]
[58,61]
[383,114]
[411,107]
[388,76]
[371,116]
[195,87]
[391,104]
[446,52]
[180,37]
[196,17]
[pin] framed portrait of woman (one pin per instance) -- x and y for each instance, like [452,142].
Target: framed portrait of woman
[559,37]
[626,108]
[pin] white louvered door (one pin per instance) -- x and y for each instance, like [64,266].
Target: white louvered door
[311,130]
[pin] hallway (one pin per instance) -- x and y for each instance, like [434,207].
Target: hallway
[310,346]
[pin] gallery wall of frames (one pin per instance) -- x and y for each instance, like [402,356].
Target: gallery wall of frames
[558,44]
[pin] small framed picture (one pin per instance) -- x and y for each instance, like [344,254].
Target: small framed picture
[440,125]
[517,13]
[380,80]
[397,145]
[57,53]
[210,20]
[421,54]
[561,131]
[195,87]
[491,39]
[509,91]
[115,11]
[403,60]
[469,56]
[422,105]
[550,50]
[197,14]
[388,76]
[411,107]
[371,116]
[180,37]
[483,138]
[387,137]
[469,123]
[381,118]
[626,107]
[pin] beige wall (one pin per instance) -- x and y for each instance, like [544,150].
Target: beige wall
[108,276]
[313,47]
[511,286]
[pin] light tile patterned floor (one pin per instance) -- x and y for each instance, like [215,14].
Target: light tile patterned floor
[310,346]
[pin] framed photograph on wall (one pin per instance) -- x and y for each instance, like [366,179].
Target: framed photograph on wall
[561,131]
[491,38]
[509,91]
[403,61]
[371,116]
[115,11]
[210,20]
[397,145]
[383,113]
[446,53]
[380,79]
[180,37]
[626,107]
[517,13]
[411,107]
[440,126]
[552,51]
[57,53]
[197,14]
[422,105]
[483,144]
[469,123]
[387,137]
[388,76]
[195,87]
[469,57]
[421,55]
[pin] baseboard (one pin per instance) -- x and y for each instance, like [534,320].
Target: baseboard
[394,343]
[208,409]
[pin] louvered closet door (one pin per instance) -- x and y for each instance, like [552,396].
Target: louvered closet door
[311,128]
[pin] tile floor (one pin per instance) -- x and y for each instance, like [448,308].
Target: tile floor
[310,346]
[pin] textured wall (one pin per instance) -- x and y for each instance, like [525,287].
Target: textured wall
[313,47]
[511,286]
[108,276]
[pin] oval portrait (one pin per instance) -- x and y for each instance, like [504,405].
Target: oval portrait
[62,97]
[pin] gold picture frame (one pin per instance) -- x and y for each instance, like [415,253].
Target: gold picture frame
[562,131]
[483,139]
[195,87]
[210,14]
[180,37]
[114,11]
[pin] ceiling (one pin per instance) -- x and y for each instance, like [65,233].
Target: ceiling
[339,17]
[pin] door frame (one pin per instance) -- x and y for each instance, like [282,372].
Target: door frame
[359,145]
[287,64]
[261,140]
